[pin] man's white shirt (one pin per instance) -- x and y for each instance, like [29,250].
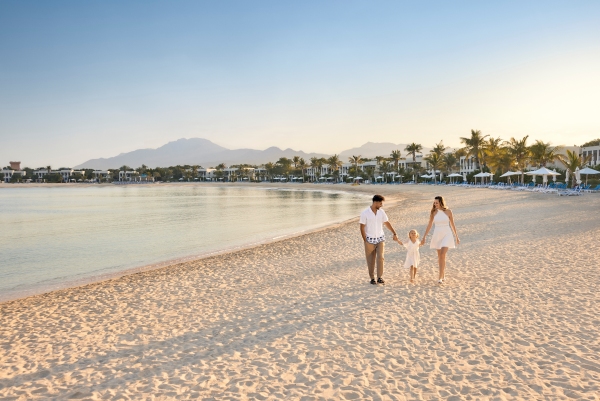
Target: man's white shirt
[373,225]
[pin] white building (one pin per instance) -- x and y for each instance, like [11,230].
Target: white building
[207,174]
[466,164]
[8,174]
[127,175]
[66,174]
[260,174]
[101,174]
[593,152]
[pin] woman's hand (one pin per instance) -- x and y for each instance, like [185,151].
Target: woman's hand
[423,242]
[458,240]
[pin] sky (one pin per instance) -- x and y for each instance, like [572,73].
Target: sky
[82,80]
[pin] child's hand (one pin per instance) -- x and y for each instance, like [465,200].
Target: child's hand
[399,242]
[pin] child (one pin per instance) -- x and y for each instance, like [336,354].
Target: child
[412,253]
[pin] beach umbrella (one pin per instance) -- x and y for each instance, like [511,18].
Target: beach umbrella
[482,176]
[453,175]
[554,176]
[588,171]
[567,177]
[544,172]
[508,174]
[464,176]
[578,176]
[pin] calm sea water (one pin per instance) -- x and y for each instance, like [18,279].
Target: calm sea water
[58,237]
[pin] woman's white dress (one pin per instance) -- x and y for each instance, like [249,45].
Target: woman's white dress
[442,233]
[412,254]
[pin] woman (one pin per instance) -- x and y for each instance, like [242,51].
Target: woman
[442,238]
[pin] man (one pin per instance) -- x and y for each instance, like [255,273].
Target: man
[372,220]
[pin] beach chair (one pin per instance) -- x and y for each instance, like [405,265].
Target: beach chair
[571,192]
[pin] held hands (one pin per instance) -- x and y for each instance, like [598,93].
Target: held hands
[422,242]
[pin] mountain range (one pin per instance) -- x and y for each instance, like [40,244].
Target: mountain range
[199,151]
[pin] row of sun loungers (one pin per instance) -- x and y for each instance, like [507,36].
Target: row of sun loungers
[559,189]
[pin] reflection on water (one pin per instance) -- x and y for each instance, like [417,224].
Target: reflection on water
[54,236]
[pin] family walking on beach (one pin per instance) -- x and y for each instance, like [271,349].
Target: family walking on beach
[372,220]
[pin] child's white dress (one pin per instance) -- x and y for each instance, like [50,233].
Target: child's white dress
[413,257]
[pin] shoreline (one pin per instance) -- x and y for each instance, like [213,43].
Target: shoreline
[98,278]
[298,319]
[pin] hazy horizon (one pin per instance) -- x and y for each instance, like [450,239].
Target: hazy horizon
[88,80]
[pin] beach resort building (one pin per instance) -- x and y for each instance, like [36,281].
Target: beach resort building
[233,174]
[207,174]
[40,173]
[15,169]
[260,174]
[101,175]
[127,175]
[466,164]
[9,173]
[593,152]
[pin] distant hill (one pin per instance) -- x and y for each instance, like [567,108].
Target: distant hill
[199,151]
[194,151]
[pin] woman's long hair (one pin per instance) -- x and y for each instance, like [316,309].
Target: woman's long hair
[442,204]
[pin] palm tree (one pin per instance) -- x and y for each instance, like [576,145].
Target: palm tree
[385,168]
[449,161]
[220,167]
[519,153]
[335,163]
[573,161]
[285,165]
[475,145]
[395,157]
[49,170]
[269,167]
[370,172]
[543,153]
[499,160]
[195,169]
[356,160]
[439,149]
[303,165]
[435,161]
[413,149]
[317,164]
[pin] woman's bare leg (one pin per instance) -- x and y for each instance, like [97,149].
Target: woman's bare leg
[442,261]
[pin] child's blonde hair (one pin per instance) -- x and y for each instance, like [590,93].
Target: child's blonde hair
[414,231]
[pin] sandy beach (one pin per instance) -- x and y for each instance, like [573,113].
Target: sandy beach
[298,320]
